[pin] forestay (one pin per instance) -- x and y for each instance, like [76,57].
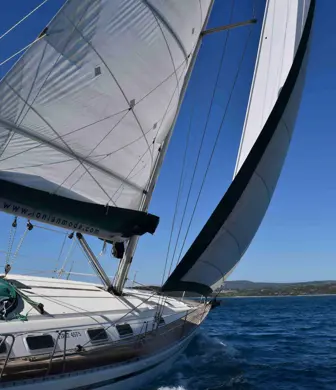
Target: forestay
[272,109]
[84,113]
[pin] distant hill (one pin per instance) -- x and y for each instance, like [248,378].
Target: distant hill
[247,288]
[248,285]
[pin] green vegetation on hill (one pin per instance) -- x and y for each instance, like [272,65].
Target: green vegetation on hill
[276,289]
[244,288]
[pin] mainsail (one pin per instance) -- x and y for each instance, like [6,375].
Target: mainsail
[85,111]
[270,120]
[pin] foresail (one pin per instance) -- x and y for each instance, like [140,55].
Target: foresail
[84,113]
[232,226]
[280,37]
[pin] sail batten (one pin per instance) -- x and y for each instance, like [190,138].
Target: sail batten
[226,236]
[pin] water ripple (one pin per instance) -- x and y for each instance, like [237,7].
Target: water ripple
[260,344]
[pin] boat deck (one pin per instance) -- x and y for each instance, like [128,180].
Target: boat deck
[84,326]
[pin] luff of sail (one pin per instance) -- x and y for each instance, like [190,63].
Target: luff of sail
[225,237]
[84,112]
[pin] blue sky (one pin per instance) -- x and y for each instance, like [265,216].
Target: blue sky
[296,241]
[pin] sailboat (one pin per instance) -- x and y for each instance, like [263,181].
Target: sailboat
[86,116]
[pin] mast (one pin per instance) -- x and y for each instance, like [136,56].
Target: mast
[126,262]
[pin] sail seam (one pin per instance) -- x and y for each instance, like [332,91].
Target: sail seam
[169,27]
[48,124]
[49,72]
[86,157]
[251,89]
[59,148]
[159,127]
[70,150]
[213,266]
[265,185]
[115,80]
[101,120]
[72,132]
[234,238]
[165,39]
[286,127]
[10,136]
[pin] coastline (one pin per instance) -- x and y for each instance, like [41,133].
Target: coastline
[277,296]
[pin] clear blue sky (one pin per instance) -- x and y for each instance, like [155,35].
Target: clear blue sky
[296,241]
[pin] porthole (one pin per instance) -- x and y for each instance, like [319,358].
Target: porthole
[40,342]
[124,330]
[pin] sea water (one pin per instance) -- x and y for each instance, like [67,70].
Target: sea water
[285,343]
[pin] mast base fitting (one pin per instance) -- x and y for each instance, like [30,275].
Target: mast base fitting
[112,290]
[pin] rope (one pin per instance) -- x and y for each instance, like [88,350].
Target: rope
[216,140]
[37,306]
[20,244]
[12,234]
[23,19]
[203,135]
[60,253]
[61,271]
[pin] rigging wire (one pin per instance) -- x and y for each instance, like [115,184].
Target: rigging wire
[179,192]
[160,307]
[22,20]
[216,140]
[203,135]
[67,257]
[28,228]
[161,301]
[21,50]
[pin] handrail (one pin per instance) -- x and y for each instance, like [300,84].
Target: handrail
[65,331]
[63,354]
[5,336]
[141,336]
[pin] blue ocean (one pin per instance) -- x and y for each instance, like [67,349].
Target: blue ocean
[285,343]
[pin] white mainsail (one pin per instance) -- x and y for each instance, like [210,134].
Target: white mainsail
[270,120]
[84,112]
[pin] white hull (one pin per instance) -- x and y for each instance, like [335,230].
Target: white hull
[81,362]
[130,375]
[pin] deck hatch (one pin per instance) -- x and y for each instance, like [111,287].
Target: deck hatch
[97,334]
[124,330]
[40,342]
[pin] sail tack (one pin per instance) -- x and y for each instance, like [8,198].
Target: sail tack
[270,120]
[84,113]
